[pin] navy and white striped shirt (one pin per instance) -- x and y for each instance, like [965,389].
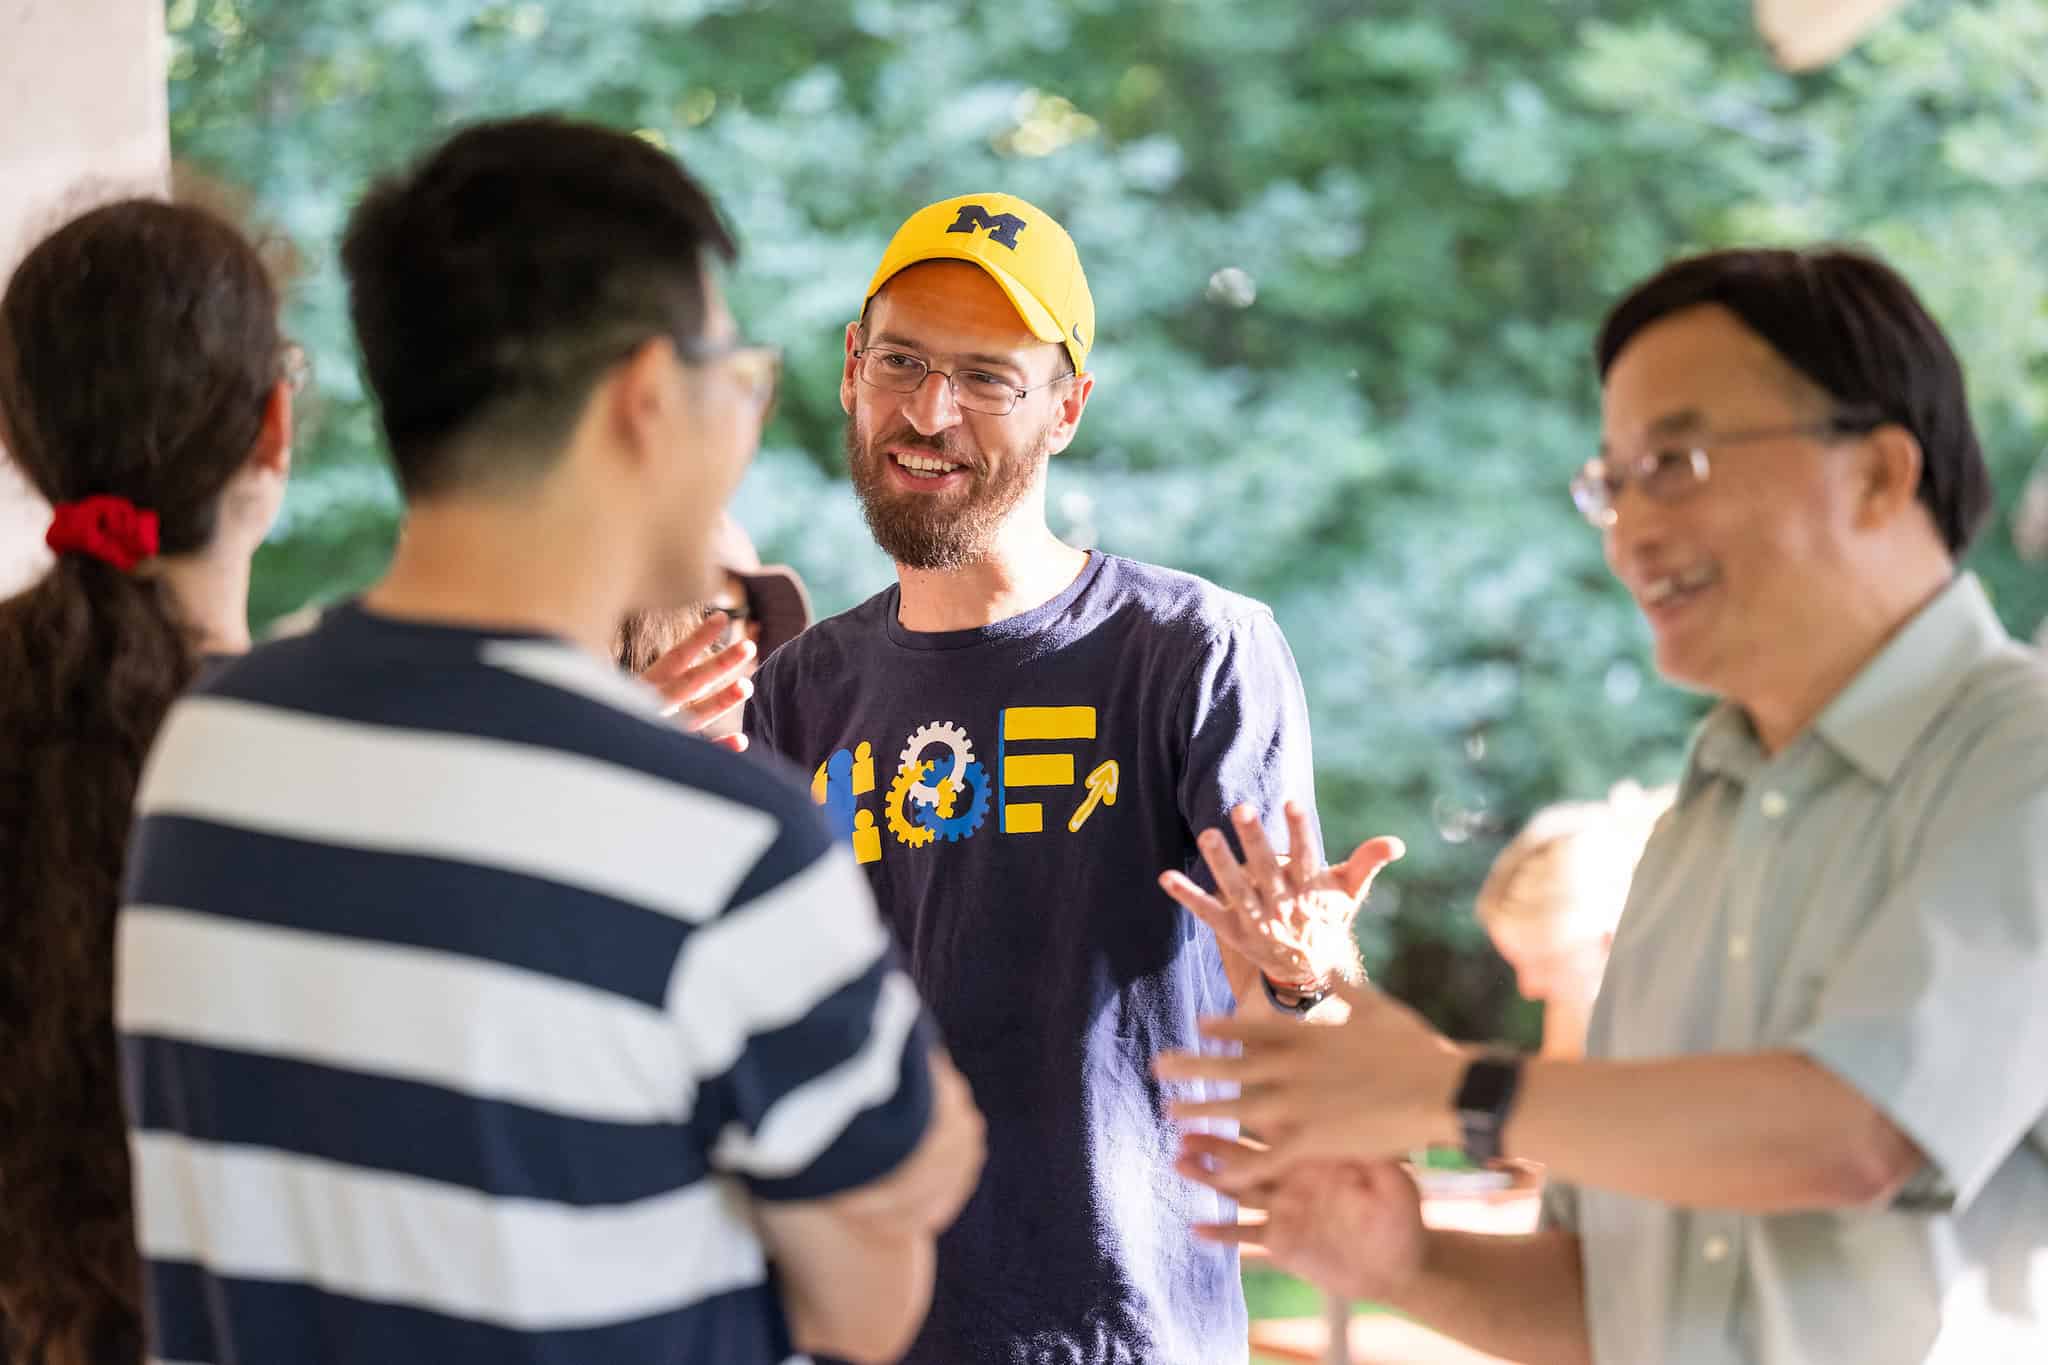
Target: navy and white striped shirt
[467,1005]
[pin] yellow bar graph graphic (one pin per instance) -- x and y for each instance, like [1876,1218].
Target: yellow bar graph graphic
[1027,724]
[1038,770]
[1048,722]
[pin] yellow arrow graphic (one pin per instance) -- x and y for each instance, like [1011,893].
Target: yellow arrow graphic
[1101,792]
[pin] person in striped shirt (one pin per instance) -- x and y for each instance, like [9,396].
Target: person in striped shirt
[470,1010]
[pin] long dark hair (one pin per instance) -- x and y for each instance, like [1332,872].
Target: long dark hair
[138,348]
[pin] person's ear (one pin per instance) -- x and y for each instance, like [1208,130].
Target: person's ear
[641,399]
[1073,401]
[1891,466]
[849,376]
[271,452]
[253,497]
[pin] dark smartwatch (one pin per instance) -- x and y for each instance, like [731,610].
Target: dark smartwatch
[1302,1003]
[1486,1096]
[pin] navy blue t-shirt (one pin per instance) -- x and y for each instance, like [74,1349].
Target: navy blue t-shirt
[1013,793]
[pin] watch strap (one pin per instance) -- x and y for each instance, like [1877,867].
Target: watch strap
[1485,1098]
[1301,1004]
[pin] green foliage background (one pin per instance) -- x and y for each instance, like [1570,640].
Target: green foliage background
[1432,200]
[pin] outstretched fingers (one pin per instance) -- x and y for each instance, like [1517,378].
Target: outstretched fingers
[1261,864]
[1355,875]
[1237,1167]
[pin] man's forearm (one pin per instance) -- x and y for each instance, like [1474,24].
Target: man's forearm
[856,1269]
[868,1306]
[1761,1132]
[1518,1297]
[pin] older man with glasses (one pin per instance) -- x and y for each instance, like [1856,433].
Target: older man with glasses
[1813,1121]
[1013,739]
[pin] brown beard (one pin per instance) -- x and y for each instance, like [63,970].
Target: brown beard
[923,532]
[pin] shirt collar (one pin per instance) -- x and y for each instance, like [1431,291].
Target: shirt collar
[1724,745]
[1875,721]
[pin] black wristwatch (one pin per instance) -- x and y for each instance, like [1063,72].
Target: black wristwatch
[1302,1003]
[1486,1096]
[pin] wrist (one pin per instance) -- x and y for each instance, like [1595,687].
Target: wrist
[1295,984]
[1402,1290]
[1485,1102]
[1294,997]
[1401,1283]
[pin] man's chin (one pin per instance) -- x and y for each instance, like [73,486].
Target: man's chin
[1679,669]
[930,552]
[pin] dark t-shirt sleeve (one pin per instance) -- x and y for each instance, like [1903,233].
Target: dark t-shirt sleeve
[1246,720]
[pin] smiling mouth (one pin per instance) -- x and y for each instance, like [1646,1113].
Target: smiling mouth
[921,466]
[1669,590]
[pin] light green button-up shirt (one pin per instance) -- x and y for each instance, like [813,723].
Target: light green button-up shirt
[1875,896]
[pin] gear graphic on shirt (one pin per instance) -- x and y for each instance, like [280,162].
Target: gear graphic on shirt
[938,732]
[907,777]
[948,826]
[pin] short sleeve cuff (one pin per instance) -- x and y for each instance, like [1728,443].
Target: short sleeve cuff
[1560,1206]
[875,1142]
[1957,1167]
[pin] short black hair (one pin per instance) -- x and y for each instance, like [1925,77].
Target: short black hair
[1853,326]
[491,284]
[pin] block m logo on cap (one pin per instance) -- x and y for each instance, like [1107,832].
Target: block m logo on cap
[1000,227]
[1040,273]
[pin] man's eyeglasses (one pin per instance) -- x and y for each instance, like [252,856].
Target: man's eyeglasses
[741,621]
[758,369]
[973,390]
[1667,473]
[559,360]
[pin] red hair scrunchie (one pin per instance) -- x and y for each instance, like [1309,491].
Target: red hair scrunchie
[106,527]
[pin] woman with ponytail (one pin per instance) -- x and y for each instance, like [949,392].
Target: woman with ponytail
[145,393]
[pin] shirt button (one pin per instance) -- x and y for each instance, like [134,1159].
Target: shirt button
[1715,1249]
[1738,946]
[1773,805]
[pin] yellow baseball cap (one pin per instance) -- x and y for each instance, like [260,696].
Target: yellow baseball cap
[1021,248]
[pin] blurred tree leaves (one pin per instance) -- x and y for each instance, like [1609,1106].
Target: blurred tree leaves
[1431,201]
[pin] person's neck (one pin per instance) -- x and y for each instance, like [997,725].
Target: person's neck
[1782,708]
[211,588]
[1021,570]
[506,564]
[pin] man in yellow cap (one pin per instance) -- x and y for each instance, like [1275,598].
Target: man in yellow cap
[1013,739]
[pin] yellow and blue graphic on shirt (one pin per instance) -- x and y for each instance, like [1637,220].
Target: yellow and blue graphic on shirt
[941,790]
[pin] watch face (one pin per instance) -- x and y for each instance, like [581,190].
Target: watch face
[1484,1098]
[1488,1086]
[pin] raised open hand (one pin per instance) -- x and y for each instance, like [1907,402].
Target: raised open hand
[1291,918]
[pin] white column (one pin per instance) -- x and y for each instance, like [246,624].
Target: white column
[83,119]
